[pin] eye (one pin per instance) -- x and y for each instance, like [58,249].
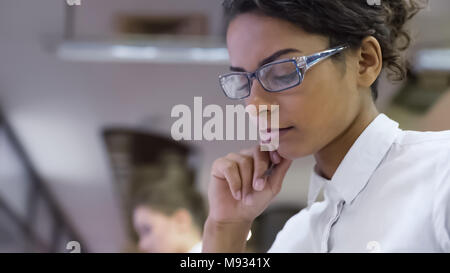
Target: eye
[145,230]
[286,77]
[279,70]
[242,87]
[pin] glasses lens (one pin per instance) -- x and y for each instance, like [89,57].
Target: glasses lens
[279,76]
[236,86]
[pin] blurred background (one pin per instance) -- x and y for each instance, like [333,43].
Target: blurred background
[86,93]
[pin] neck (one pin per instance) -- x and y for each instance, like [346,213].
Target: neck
[329,157]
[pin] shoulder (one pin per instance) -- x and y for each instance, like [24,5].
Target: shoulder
[408,138]
[416,146]
[424,155]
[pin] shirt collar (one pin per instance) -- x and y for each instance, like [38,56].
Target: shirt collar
[359,163]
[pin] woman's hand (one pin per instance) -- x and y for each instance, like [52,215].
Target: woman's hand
[238,190]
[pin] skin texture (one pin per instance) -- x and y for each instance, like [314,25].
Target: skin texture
[161,233]
[327,113]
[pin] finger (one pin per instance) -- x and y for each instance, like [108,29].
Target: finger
[245,164]
[247,152]
[261,163]
[275,180]
[275,157]
[229,171]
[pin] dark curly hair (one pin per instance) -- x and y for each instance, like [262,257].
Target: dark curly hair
[345,21]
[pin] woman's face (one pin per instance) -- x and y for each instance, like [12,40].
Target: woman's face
[318,110]
[157,231]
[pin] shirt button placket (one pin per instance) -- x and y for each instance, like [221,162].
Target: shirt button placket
[326,237]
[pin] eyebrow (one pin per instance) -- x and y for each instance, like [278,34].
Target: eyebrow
[269,59]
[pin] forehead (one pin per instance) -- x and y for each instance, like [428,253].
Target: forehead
[252,37]
[143,213]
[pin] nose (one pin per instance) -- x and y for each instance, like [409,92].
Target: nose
[263,101]
[259,97]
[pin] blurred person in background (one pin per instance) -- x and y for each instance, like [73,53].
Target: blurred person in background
[168,216]
[385,189]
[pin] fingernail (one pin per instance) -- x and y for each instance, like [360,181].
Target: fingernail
[238,195]
[259,184]
[276,158]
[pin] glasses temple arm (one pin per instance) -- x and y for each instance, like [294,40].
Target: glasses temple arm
[318,57]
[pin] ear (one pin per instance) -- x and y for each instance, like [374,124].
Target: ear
[370,61]
[182,219]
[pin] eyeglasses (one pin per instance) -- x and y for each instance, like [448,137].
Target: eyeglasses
[273,77]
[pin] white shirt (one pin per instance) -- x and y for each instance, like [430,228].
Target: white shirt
[390,193]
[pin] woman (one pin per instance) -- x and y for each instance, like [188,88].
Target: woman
[385,189]
[168,215]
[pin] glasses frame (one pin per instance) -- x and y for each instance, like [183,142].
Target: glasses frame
[302,64]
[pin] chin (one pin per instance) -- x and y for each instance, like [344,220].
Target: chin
[286,153]
[291,153]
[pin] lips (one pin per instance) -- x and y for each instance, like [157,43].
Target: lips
[270,133]
[285,129]
[269,130]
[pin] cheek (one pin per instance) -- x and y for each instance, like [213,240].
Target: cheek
[148,243]
[309,104]
[158,240]
[317,108]
[168,238]
[163,242]
[327,97]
